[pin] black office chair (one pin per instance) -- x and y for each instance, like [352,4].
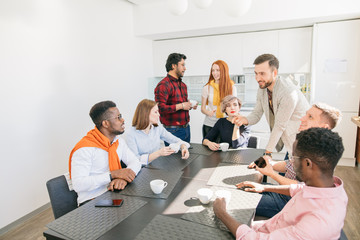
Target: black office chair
[62,199]
[343,235]
[252,142]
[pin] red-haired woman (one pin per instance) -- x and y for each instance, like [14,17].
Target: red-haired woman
[218,86]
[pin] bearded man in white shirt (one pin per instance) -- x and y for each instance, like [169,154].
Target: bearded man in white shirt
[95,161]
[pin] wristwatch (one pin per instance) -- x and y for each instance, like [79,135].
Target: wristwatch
[267,154]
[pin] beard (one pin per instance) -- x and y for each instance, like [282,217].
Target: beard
[179,74]
[266,85]
[119,132]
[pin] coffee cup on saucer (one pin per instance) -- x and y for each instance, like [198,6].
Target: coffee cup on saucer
[205,195]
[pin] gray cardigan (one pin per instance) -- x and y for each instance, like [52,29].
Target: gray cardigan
[289,106]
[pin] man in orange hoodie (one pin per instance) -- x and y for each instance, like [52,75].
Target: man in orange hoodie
[95,161]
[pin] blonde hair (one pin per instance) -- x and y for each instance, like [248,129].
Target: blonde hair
[329,114]
[226,101]
[141,118]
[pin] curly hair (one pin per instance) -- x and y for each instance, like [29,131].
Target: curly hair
[321,146]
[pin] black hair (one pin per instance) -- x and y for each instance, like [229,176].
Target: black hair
[173,58]
[321,146]
[273,61]
[98,112]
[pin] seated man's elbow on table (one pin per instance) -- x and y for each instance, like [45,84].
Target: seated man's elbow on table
[126,174]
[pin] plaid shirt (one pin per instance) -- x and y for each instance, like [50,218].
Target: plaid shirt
[169,92]
[290,173]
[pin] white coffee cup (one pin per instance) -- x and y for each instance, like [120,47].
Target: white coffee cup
[175,147]
[158,185]
[224,194]
[205,195]
[224,147]
[193,103]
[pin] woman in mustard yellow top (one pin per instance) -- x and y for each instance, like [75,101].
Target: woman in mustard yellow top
[218,86]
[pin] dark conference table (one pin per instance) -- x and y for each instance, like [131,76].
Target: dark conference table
[195,175]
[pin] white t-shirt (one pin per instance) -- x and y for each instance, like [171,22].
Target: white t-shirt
[208,93]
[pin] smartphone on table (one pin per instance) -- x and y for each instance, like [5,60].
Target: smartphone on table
[260,162]
[109,203]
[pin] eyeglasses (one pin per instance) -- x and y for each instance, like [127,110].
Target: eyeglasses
[118,117]
[292,159]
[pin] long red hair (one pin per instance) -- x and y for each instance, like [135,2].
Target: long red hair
[225,85]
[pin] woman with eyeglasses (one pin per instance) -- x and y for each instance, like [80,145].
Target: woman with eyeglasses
[236,136]
[146,133]
[218,86]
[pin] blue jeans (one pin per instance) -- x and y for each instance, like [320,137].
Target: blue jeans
[182,133]
[271,203]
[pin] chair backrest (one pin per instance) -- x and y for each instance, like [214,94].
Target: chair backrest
[252,142]
[62,199]
[343,235]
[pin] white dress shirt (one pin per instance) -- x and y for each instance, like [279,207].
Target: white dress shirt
[90,172]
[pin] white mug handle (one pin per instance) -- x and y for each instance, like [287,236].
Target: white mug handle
[165,184]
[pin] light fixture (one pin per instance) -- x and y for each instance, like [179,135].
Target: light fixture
[202,4]
[236,8]
[177,7]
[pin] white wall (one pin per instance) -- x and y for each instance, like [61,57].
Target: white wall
[262,15]
[58,58]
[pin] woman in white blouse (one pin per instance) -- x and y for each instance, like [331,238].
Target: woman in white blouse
[218,86]
[146,133]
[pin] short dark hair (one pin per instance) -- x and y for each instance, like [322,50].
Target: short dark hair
[321,146]
[99,112]
[273,61]
[173,58]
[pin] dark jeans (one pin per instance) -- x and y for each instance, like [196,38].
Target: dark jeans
[182,133]
[271,203]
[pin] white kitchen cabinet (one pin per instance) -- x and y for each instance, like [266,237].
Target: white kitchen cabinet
[337,62]
[347,131]
[201,52]
[257,43]
[337,80]
[295,50]
[291,46]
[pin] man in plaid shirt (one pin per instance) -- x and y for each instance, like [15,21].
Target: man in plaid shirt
[319,115]
[172,98]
